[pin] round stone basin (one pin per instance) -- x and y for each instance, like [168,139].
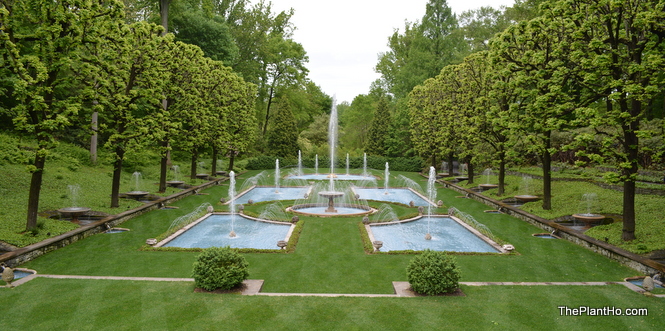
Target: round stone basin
[488,186]
[331,194]
[588,219]
[319,209]
[174,183]
[73,211]
[137,194]
[527,198]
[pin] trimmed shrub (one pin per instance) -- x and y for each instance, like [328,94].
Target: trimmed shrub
[433,273]
[220,268]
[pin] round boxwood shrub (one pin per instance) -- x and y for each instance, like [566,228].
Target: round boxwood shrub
[219,268]
[433,273]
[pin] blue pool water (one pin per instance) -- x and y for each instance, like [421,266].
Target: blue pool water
[259,194]
[325,177]
[447,235]
[400,195]
[214,232]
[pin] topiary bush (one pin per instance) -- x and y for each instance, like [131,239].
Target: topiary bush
[433,273]
[219,268]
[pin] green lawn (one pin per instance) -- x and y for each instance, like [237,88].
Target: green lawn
[329,258]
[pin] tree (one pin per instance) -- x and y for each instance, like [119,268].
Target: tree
[211,34]
[378,134]
[618,46]
[283,135]
[128,90]
[42,43]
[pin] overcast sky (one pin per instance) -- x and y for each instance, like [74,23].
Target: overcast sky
[344,37]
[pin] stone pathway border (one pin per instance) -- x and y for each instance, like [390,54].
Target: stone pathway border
[402,289]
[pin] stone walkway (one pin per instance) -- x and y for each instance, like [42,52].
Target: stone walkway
[402,289]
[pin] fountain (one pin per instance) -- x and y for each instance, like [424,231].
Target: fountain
[526,197]
[431,195]
[331,194]
[299,164]
[316,164]
[365,165]
[74,211]
[232,206]
[588,217]
[444,169]
[487,173]
[137,193]
[385,179]
[219,166]
[277,176]
[347,164]
[176,177]
[462,172]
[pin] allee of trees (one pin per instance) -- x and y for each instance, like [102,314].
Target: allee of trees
[591,67]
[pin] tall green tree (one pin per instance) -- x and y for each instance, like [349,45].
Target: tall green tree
[283,134]
[618,46]
[379,130]
[128,90]
[43,44]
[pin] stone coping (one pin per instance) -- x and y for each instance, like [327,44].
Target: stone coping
[632,260]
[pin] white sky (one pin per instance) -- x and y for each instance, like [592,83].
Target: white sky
[344,37]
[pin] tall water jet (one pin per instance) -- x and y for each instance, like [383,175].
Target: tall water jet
[332,139]
[431,195]
[74,191]
[588,200]
[525,189]
[299,164]
[385,179]
[347,164]
[487,173]
[316,164]
[175,170]
[232,205]
[136,180]
[277,176]
[365,164]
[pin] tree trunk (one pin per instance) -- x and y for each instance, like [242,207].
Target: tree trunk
[434,160]
[213,168]
[265,124]
[502,173]
[192,173]
[547,174]
[232,158]
[470,172]
[164,15]
[450,164]
[163,168]
[631,142]
[35,189]
[117,172]
[93,139]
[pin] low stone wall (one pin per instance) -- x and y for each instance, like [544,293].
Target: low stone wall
[632,260]
[25,254]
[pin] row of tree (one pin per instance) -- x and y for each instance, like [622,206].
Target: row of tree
[594,68]
[63,60]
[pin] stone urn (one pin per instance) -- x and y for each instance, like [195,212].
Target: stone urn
[295,219]
[439,203]
[421,210]
[210,209]
[365,219]
[8,276]
[377,245]
[281,244]
[412,204]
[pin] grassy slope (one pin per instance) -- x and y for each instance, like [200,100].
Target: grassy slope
[567,200]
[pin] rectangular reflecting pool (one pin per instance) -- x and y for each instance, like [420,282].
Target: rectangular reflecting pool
[447,235]
[258,194]
[214,230]
[399,195]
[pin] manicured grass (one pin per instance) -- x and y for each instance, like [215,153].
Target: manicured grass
[329,258]
[62,304]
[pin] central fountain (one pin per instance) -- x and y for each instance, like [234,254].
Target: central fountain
[331,194]
[74,211]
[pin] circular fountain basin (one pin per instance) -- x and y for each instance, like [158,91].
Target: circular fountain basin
[174,183]
[527,198]
[588,219]
[137,194]
[319,209]
[73,211]
[331,194]
[488,186]
[116,230]
[202,176]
